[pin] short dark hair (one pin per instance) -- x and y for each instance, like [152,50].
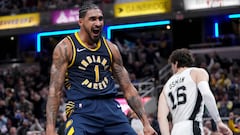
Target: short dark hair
[85,6]
[183,56]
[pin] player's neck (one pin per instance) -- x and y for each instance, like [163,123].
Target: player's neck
[84,39]
[180,70]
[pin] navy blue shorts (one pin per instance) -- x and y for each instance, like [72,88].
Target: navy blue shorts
[98,117]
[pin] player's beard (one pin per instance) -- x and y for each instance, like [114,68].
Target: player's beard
[94,39]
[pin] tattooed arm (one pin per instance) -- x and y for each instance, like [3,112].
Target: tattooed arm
[61,55]
[130,92]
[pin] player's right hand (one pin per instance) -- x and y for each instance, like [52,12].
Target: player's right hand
[224,129]
[148,130]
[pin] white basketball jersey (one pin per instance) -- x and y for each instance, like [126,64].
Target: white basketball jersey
[183,98]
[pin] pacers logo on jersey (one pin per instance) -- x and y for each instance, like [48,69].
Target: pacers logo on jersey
[97,61]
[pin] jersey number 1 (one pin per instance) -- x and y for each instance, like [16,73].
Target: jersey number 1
[96,70]
[180,98]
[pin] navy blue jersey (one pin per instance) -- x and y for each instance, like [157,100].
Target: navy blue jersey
[89,73]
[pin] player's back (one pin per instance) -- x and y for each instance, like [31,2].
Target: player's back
[183,97]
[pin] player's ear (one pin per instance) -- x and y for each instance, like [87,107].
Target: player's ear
[176,63]
[80,20]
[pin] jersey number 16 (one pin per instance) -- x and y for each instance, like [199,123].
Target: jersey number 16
[179,98]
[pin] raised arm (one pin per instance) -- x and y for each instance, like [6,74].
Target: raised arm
[130,93]
[60,58]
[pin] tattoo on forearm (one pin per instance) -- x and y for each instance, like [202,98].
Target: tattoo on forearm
[136,105]
[56,82]
[56,79]
[52,110]
[121,75]
[65,50]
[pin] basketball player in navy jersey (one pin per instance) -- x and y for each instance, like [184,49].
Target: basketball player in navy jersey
[87,64]
[184,96]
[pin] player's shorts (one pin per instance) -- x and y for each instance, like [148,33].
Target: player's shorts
[188,127]
[97,117]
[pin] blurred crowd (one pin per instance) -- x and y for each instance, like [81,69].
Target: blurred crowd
[225,84]
[24,86]
[23,93]
[145,55]
[8,7]
[24,89]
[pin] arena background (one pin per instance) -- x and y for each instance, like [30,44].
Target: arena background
[30,29]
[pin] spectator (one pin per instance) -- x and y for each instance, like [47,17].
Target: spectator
[224,81]
[225,105]
[36,126]
[24,104]
[2,90]
[235,127]
[24,127]
[3,118]
[13,131]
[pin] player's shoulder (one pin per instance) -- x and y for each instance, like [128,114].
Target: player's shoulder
[199,71]
[109,43]
[113,47]
[63,46]
[64,41]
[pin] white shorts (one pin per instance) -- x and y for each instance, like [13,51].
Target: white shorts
[188,127]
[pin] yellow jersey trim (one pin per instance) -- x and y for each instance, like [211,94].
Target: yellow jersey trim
[109,51]
[71,131]
[69,123]
[84,45]
[74,52]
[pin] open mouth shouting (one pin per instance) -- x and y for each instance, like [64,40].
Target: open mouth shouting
[96,32]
